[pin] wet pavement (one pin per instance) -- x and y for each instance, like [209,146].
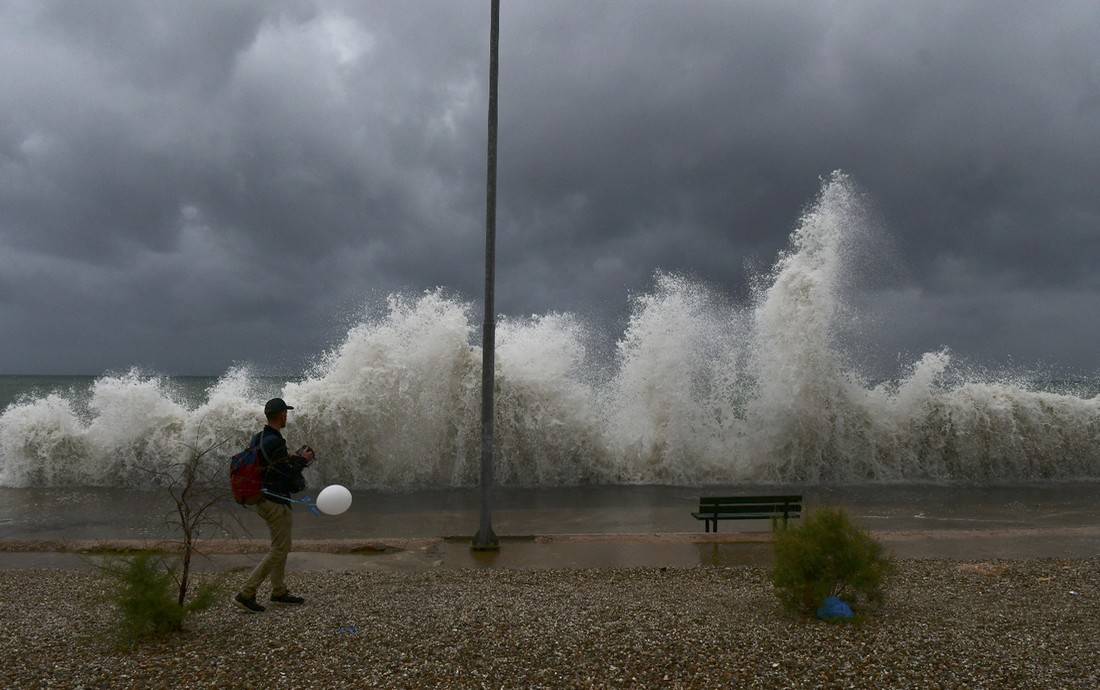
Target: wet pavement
[915,521]
[530,554]
[118,514]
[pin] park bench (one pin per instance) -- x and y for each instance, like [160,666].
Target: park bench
[715,508]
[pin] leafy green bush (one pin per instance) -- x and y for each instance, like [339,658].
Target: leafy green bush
[828,556]
[146,598]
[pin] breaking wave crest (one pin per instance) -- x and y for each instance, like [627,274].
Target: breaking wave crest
[701,391]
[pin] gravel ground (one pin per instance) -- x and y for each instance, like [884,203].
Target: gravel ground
[1005,624]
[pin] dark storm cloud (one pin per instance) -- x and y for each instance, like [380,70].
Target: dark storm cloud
[189,184]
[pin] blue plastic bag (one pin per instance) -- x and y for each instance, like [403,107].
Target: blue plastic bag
[833,608]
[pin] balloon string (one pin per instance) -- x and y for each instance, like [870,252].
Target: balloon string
[304,500]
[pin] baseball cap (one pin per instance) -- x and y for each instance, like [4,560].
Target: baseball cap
[276,405]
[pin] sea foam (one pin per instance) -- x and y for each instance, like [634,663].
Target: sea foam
[701,390]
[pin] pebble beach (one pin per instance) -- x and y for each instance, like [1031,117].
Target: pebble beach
[945,624]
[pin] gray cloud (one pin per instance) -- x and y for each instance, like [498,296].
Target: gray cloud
[179,180]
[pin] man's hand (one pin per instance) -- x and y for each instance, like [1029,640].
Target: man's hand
[307,453]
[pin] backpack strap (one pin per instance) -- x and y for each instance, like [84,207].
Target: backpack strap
[263,452]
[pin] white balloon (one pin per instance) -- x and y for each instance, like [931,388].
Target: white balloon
[333,499]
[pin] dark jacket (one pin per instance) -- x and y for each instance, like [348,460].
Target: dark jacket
[282,471]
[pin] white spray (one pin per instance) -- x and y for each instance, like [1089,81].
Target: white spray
[700,392]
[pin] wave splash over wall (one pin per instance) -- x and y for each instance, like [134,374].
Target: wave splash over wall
[701,392]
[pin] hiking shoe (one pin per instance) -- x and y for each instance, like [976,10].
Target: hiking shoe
[247,603]
[287,598]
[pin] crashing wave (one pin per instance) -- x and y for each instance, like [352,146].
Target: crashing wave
[701,391]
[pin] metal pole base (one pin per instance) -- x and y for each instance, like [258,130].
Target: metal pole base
[485,543]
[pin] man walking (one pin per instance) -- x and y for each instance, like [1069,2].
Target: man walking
[282,476]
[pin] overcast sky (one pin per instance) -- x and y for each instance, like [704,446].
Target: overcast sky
[184,185]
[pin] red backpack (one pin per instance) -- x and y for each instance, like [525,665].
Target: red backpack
[246,473]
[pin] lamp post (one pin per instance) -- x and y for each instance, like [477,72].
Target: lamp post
[485,539]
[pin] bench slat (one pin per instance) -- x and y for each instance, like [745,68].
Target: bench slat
[763,508]
[708,500]
[741,516]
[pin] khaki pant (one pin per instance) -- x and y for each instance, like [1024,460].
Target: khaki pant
[278,519]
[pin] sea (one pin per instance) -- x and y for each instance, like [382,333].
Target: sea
[700,390]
